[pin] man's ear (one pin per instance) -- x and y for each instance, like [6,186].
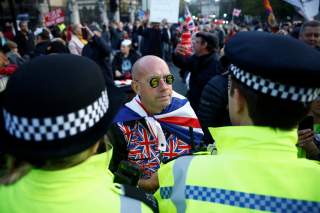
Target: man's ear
[135,87]
[205,44]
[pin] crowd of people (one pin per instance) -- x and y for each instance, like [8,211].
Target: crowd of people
[245,137]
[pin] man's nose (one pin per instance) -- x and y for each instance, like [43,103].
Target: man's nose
[313,37]
[163,84]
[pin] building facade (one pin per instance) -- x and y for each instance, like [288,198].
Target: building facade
[34,10]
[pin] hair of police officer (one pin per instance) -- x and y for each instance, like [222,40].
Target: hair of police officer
[14,168]
[265,110]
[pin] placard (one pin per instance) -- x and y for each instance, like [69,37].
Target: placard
[164,9]
[54,17]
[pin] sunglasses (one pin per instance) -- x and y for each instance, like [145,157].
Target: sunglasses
[154,82]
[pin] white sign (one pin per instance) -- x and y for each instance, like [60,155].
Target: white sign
[164,9]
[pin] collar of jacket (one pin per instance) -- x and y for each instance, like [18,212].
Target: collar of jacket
[255,142]
[209,55]
[208,58]
[92,168]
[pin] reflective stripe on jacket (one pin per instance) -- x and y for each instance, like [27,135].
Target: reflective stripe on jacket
[256,169]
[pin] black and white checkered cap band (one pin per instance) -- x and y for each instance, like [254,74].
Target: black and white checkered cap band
[59,127]
[275,89]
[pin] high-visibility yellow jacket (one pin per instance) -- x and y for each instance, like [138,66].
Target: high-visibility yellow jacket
[87,187]
[256,169]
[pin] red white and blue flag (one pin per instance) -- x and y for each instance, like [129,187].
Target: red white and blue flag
[171,127]
[188,19]
[177,118]
[143,150]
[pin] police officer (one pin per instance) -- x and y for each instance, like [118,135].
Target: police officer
[56,111]
[273,80]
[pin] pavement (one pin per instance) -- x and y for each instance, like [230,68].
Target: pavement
[178,84]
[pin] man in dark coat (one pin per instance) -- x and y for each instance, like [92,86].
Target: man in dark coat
[152,38]
[25,40]
[203,64]
[98,50]
[43,41]
[213,106]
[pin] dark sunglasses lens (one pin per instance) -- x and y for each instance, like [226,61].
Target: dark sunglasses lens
[154,82]
[169,79]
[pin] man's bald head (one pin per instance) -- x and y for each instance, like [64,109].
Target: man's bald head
[153,98]
[146,64]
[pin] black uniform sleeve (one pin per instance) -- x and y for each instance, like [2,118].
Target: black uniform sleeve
[119,144]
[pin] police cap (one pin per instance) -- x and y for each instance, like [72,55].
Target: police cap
[276,65]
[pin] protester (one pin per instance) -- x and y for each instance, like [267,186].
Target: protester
[135,35]
[57,110]
[152,38]
[203,65]
[309,133]
[77,41]
[166,40]
[6,70]
[98,50]
[11,50]
[310,33]
[56,46]
[8,31]
[123,61]
[158,124]
[42,42]
[25,41]
[213,108]
[257,155]
[116,35]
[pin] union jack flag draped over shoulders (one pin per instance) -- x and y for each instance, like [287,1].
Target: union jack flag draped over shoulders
[188,19]
[177,118]
[170,127]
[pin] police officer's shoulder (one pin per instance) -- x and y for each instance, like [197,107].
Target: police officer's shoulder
[138,195]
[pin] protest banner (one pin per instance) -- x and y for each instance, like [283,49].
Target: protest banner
[54,17]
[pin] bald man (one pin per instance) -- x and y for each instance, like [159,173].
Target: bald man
[158,124]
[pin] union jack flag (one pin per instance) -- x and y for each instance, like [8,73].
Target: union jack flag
[188,19]
[175,148]
[143,150]
[176,121]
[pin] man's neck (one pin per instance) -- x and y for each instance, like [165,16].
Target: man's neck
[149,111]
